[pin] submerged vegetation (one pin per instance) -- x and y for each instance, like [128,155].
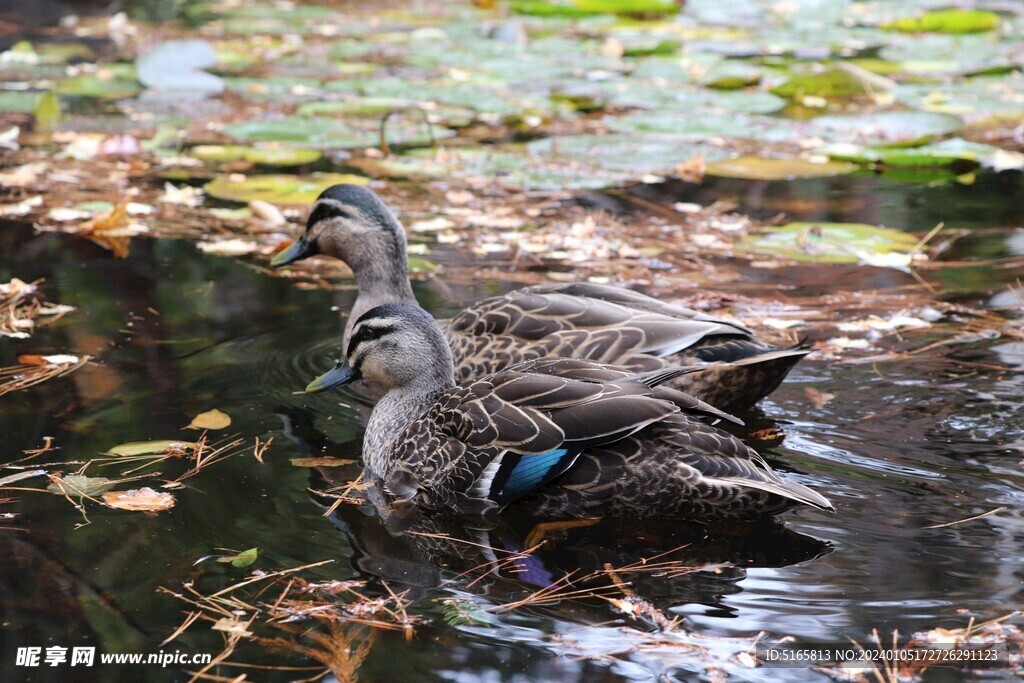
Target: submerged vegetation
[842,173]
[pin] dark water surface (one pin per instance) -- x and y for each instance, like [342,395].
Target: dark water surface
[901,446]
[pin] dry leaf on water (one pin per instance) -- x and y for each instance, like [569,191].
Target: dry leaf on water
[110,230]
[133,448]
[211,419]
[144,499]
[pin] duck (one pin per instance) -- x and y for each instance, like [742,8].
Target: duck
[571,438]
[606,324]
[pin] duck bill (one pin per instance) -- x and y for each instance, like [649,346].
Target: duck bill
[300,249]
[340,375]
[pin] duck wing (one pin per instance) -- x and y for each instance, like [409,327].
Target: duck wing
[504,436]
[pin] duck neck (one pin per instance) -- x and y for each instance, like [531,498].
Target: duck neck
[381,279]
[398,409]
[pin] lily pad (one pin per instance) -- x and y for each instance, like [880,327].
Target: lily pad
[584,8]
[317,132]
[760,168]
[947,21]
[890,128]
[278,189]
[19,101]
[831,242]
[47,111]
[950,152]
[843,80]
[91,85]
[178,65]
[271,156]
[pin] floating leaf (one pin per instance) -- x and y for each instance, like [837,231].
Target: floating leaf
[583,8]
[321,462]
[271,156]
[317,132]
[732,76]
[211,419]
[91,85]
[904,128]
[80,485]
[242,559]
[19,101]
[760,168]
[843,80]
[278,189]
[177,65]
[950,152]
[144,499]
[947,21]
[149,447]
[111,230]
[47,111]
[831,242]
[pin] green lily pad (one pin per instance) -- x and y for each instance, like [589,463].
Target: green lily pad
[732,76]
[47,111]
[662,48]
[360,106]
[91,85]
[19,101]
[584,8]
[947,21]
[843,80]
[315,132]
[61,53]
[271,156]
[760,168]
[278,189]
[952,152]
[377,107]
[891,128]
[831,242]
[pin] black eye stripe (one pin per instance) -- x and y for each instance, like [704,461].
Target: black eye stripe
[324,210]
[366,333]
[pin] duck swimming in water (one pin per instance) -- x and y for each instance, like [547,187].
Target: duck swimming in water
[576,438]
[586,321]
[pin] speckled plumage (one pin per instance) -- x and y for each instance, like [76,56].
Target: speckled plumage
[618,327]
[616,442]
[586,321]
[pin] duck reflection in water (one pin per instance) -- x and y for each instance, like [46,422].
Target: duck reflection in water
[570,573]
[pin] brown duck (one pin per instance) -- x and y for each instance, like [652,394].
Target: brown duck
[584,321]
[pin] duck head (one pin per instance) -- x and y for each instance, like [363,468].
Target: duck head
[351,223]
[396,345]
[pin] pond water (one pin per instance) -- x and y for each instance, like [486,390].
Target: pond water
[901,446]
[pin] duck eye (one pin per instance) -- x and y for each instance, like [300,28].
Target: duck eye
[367,333]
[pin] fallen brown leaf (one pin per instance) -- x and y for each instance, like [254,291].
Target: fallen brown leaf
[144,499]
